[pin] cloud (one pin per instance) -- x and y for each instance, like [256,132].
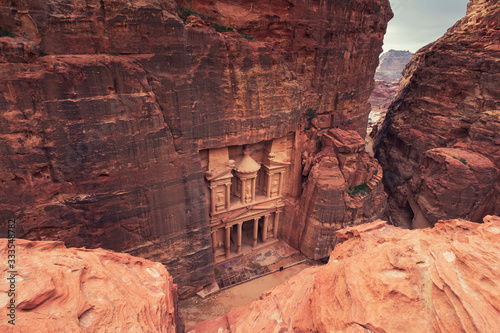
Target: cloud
[417,23]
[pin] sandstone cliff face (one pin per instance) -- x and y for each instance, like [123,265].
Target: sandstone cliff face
[392,64]
[386,85]
[343,188]
[387,279]
[106,104]
[448,97]
[59,289]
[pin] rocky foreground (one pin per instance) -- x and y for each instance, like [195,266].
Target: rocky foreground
[381,279]
[59,289]
[387,279]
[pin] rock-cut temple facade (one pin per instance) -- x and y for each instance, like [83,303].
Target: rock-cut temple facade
[245,186]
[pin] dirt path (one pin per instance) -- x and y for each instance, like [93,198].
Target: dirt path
[197,309]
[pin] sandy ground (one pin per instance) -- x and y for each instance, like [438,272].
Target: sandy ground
[197,309]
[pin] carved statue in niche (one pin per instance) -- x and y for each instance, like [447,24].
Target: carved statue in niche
[248,193]
[220,203]
[220,197]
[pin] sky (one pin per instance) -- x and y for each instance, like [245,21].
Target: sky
[417,23]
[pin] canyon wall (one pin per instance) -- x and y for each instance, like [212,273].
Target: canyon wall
[392,64]
[59,289]
[343,188]
[386,85]
[448,98]
[386,279]
[106,105]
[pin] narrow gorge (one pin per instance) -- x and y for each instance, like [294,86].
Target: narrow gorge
[123,123]
[163,138]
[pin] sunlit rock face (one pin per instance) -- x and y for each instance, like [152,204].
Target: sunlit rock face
[392,64]
[343,188]
[448,98]
[386,279]
[59,289]
[386,85]
[106,105]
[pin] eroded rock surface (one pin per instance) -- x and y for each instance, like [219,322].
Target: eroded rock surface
[387,76]
[59,289]
[106,105]
[392,64]
[448,98]
[387,279]
[450,182]
[344,187]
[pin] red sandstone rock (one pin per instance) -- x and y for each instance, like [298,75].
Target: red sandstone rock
[59,289]
[344,142]
[450,183]
[448,98]
[106,105]
[343,188]
[387,76]
[391,65]
[387,279]
[380,100]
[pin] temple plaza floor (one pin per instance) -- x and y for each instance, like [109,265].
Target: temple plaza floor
[242,279]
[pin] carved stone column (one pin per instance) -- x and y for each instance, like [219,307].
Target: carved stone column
[238,248]
[276,224]
[264,229]
[255,231]
[227,241]
[280,185]
[268,192]
[228,196]
[212,199]
[253,189]
[214,243]
[243,190]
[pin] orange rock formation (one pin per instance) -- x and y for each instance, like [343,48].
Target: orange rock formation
[448,98]
[387,279]
[59,289]
[109,108]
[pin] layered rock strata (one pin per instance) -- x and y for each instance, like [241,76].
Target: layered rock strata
[391,65]
[59,289]
[387,279]
[386,85]
[448,98]
[106,106]
[343,188]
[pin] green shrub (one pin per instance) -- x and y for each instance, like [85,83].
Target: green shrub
[361,189]
[6,33]
[310,115]
[221,28]
[184,12]
[463,160]
[247,36]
